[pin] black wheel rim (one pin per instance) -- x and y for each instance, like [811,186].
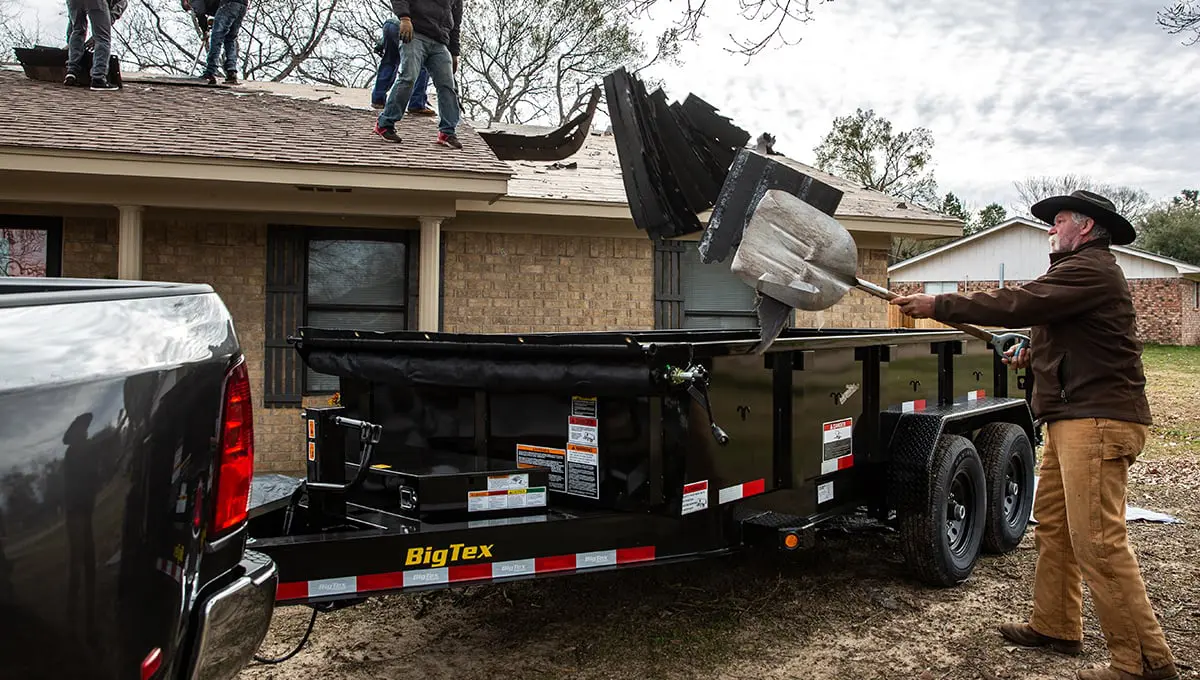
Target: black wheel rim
[960,512]
[1014,490]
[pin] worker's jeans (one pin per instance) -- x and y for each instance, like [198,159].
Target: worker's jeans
[435,57]
[389,63]
[227,23]
[1081,534]
[79,14]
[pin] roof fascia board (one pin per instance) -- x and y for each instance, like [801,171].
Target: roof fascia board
[224,170]
[551,207]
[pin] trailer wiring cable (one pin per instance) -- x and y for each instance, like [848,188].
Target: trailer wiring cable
[294,652]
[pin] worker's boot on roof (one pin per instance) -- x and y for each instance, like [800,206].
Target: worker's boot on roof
[387,133]
[1023,634]
[1168,672]
[450,140]
[231,78]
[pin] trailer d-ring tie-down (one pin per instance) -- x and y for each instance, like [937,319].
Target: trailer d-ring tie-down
[696,378]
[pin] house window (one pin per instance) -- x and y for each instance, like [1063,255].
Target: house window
[938,287]
[30,246]
[355,284]
[330,278]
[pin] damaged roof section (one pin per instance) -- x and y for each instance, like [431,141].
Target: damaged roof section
[150,117]
[596,178]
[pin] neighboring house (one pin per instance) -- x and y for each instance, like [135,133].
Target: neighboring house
[1166,292]
[279,196]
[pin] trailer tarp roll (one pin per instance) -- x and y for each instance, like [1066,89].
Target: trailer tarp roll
[482,373]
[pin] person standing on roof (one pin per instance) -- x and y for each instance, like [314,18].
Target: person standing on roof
[227,24]
[1090,392]
[429,31]
[388,49]
[101,14]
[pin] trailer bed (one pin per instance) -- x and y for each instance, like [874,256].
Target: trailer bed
[504,456]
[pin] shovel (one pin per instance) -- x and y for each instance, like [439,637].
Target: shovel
[798,257]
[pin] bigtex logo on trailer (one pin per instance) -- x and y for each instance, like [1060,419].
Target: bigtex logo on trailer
[440,558]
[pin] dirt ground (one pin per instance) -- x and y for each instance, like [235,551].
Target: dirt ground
[845,609]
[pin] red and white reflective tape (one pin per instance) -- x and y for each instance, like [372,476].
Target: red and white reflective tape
[912,406]
[170,568]
[976,395]
[835,464]
[740,491]
[486,571]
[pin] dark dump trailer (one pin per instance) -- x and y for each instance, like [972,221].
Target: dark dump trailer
[458,459]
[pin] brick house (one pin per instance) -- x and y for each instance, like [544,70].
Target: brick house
[279,197]
[1166,292]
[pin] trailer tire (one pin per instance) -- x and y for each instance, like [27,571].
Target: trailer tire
[941,543]
[1008,466]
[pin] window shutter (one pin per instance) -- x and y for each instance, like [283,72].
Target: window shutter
[282,368]
[668,284]
[714,297]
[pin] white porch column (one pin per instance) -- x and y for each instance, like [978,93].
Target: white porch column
[429,276]
[129,242]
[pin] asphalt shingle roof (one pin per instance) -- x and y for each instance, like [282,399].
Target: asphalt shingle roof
[175,120]
[597,177]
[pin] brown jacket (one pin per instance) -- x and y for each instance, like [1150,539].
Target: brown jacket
[1086,358]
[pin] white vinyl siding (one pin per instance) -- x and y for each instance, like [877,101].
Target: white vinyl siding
[1015,253]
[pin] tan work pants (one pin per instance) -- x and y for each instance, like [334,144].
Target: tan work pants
[1080,510]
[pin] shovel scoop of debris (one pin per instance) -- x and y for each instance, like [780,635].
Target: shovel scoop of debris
[795,254]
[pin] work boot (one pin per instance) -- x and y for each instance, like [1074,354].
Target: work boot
[102,84]
[1023,634]
[210,79]
[1168,672]
[450,140]
[231,78]
[387,133]
[423,111]
[71,80]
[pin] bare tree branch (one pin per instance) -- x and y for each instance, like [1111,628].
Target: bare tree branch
[1180,17]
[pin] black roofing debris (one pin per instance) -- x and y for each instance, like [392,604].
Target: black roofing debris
[674,158]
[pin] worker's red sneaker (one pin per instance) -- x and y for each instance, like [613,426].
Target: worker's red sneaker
[387,133]
[449,140]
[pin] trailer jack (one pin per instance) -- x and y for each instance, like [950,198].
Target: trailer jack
[369,436]
[696,378]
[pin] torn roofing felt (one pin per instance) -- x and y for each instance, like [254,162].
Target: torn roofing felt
[674,158]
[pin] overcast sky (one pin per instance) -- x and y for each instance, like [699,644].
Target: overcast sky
[1009,88]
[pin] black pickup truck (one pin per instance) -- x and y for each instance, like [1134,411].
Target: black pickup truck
[126,455]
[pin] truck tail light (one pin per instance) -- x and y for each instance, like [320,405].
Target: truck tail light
[235,465]
[151,663]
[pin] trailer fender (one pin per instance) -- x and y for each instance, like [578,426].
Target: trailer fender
[912,437]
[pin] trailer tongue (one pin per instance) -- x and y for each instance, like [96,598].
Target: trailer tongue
[458,458]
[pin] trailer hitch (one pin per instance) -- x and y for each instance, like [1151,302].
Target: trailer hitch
[696,379]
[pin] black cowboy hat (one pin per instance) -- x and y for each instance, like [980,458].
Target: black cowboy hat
[1094,206]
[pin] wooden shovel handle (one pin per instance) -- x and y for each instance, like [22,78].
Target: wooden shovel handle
[888,295]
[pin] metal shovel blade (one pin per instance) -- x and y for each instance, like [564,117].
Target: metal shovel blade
[796,254]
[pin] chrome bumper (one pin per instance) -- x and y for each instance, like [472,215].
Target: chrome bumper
[234,621]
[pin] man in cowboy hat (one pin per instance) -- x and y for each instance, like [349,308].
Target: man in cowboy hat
[1089,391]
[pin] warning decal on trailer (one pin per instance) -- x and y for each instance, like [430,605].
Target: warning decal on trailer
[837,445]
[540,456]
[583,471]
[695,498]
[506,499]
[824,492]
[583,454]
